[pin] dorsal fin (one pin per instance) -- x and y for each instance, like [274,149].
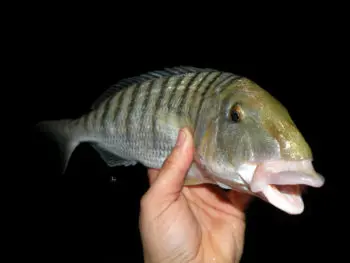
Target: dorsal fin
[124,83]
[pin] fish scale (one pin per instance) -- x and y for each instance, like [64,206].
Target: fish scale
[244,138]
[132,112]
[129,120]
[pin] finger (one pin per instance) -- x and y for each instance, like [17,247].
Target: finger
[152,175]
[171,176]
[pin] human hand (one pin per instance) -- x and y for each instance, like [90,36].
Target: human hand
[189,223]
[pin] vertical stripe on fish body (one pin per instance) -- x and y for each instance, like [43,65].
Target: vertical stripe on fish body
[139,119]
[245,139]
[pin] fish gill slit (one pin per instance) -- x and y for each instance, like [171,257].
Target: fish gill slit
[251,145]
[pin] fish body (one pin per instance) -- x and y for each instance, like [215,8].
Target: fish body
[244,138]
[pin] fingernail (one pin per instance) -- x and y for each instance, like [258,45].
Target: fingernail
[181,138]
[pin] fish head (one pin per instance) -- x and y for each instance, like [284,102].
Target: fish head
[251,143]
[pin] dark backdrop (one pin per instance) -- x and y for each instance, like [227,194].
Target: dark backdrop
[92,210]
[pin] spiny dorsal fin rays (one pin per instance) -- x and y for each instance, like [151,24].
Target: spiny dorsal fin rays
[124,83]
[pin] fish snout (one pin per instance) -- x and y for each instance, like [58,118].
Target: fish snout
[293,146]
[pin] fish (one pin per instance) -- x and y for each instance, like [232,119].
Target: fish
[245,139]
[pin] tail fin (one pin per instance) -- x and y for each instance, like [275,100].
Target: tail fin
[62,132]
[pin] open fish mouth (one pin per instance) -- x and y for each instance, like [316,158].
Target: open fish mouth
[280,183]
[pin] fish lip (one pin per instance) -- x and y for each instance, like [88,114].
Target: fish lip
[290,203]
[282,172]
[270,177]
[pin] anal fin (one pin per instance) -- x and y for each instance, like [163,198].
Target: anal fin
[112,159]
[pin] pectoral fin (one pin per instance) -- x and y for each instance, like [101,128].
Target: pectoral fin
[196,176]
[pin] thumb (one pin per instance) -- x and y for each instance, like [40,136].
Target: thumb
[170,180]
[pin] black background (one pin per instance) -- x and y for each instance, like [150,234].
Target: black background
[92,210]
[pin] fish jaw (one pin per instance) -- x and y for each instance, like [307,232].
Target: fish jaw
[280,182]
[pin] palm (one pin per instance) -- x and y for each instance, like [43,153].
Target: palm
[204,224]
[220,218]
[189,223]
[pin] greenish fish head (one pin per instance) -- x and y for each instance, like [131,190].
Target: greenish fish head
[250,142]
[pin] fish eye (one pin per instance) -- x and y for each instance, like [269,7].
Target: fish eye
[235,113]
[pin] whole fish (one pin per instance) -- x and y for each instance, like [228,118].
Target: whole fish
[245,139]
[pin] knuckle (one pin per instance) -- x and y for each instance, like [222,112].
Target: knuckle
[169,164]
[171,161]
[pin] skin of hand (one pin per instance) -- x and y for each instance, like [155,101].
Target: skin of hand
[189,223]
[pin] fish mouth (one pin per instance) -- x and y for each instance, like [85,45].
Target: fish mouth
[280,183]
